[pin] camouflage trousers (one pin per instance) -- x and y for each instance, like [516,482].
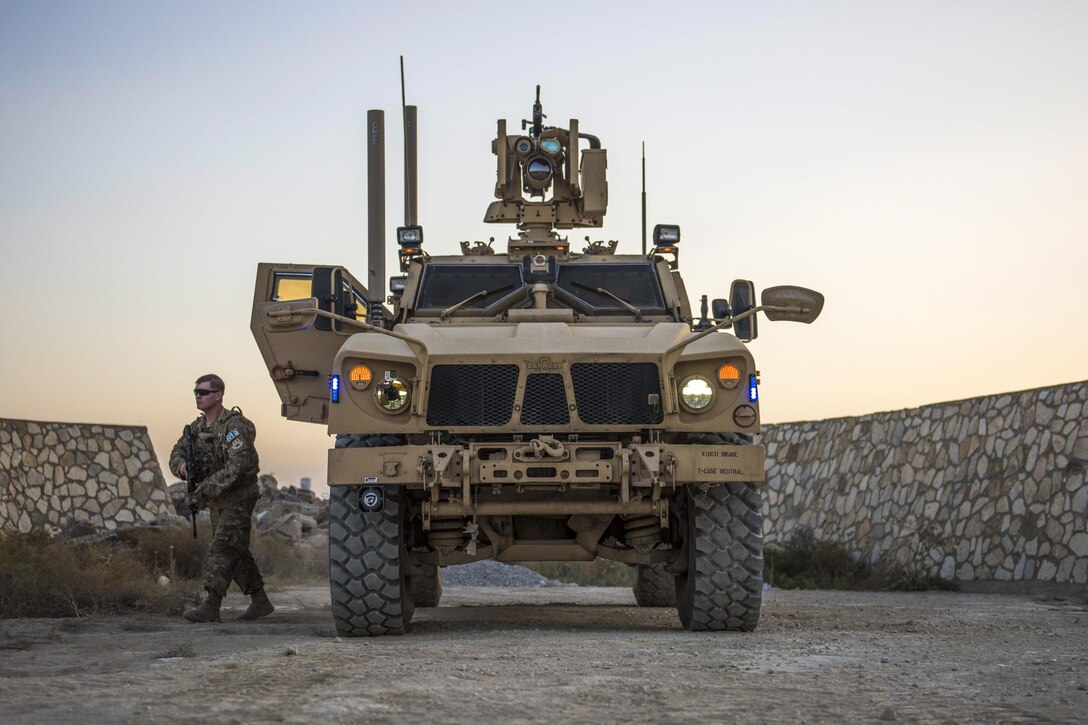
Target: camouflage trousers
[228,556]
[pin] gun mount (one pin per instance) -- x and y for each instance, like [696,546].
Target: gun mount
[546,181]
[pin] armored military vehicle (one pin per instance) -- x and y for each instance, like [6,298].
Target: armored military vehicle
[534,402]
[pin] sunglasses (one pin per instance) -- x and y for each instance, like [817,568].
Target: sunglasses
[201,392]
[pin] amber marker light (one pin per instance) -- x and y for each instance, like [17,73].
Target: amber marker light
[360,377]
[729,375]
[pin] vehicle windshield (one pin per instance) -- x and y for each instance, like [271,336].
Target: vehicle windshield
[444,285]
[634,283]
[451,285]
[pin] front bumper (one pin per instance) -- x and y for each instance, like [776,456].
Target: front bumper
[576,466]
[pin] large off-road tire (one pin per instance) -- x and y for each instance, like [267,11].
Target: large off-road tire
[723,586]
[366,577]
[654,587]
[426,588]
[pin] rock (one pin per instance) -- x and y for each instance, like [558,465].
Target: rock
[1079,544]
[889,715]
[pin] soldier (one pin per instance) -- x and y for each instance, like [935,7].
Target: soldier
[227,477]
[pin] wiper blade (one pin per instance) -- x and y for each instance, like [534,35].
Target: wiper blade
[602,291]
[473,297]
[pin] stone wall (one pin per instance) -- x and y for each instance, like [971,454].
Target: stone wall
[990,488]
[54,473]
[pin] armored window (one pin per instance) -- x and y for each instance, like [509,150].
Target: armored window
[444,285]
[634,283]
[288,286]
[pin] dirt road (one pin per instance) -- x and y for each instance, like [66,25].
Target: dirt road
[568,654]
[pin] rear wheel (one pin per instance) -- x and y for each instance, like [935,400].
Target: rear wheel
[722,588]
[426,587]
[654,587]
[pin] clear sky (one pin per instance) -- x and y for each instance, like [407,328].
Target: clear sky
[923,164]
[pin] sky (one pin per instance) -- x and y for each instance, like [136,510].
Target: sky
[922,164]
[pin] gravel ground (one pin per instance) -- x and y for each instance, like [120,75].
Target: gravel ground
[541,654]
[488,573]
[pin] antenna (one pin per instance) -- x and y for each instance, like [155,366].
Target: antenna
[644,198]
[409,115]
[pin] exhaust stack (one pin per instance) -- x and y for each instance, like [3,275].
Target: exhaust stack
[375,182]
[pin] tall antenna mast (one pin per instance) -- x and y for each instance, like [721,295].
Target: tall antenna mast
[644,198]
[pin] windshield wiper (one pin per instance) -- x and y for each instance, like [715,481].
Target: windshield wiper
[602,291]
[472,298]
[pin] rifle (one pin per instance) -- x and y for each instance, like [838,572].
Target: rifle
[190,476]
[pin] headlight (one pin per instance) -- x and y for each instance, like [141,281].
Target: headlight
[392,395]
[696,393]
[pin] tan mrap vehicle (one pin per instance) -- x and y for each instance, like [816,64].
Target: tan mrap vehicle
[529,404]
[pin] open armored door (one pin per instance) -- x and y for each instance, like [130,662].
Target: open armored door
[299,347]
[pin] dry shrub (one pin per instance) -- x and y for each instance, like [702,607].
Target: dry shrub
[43,578]
[158,548]
[806,563]
[291,564]
[597,573]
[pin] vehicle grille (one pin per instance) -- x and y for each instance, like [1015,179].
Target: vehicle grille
[616,393]
[545,400]
[472,395]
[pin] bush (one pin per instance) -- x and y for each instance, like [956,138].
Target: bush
[597,573]
[171,551]
[43,578]
[805,563]
[291,564]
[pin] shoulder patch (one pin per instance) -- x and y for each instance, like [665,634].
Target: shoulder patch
[237,444]
[234,433]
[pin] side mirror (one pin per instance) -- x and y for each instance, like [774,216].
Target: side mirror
[742,297]
[795,304]
[328,287]
[720,310]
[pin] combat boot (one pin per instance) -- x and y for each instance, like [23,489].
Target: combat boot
[206,612]
[259,606]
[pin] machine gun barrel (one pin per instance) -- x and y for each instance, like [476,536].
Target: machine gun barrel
[538,115]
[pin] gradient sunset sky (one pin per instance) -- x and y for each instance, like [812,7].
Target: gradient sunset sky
[923,164]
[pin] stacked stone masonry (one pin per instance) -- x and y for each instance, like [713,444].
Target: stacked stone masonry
[52,474]
[991,488]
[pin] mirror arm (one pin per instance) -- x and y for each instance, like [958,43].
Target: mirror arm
[728,321]
[724,323]
[418,346]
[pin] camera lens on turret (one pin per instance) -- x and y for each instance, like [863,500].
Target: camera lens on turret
[538,170]
[523,146]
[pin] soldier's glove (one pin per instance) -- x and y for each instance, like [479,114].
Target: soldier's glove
[208,492]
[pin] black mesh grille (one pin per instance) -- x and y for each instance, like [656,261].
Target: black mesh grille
[545,401]
[616,393]
[476,395]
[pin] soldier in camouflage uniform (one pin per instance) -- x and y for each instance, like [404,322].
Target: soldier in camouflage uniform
[223,448]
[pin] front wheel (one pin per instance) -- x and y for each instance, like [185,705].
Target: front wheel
[366,564]
[722,588]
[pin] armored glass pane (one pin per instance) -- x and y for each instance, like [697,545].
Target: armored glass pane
[635,283]
[444,285]
[291,286]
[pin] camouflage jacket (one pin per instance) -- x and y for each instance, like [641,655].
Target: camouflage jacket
[226,459]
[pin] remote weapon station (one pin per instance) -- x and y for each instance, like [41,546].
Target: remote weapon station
[532,403]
